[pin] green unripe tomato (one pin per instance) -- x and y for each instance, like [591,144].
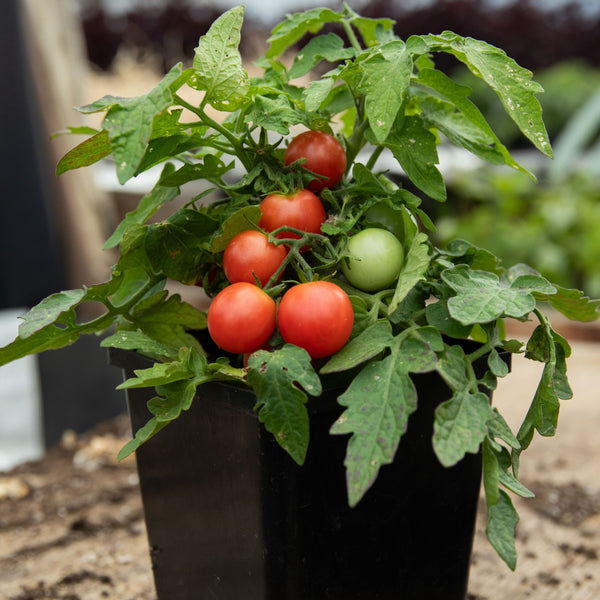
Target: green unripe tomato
[376,258]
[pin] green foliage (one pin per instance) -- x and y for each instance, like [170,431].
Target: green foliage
[386,95]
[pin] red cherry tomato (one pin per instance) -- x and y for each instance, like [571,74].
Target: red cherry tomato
[241,318]
[250,254]
[323,155]
[301,210]
[316,316]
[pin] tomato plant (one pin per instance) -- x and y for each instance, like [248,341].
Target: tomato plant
[317,316]
[301,210]
[241,318]
[376,257]
[250,255]
[322,154]
[385,98]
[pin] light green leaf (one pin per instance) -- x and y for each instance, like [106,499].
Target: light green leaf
[129,124]
[245,218]
[502,519]
[48,311]
[511,82]
[274,114]
[295,26]
[483,297]
[363,347]
[146,207]
[217,66]
[460,426]
[136,340]
[414,147]
[161,373]
[328,47]
[385,84]
[574,304]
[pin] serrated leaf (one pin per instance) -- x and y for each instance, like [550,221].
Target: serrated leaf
[275,114]
[414,147]
[483,297]
[86,153]
[329,47]
[245,218]
[502,519]
[363,347]
[385,85]
[499,428]
[160,373]
[415,266]
[129,124]
[172,400]
[280,380]
[136,340]
[211,168]
[379,401]
[217,66]
[511,82]
[438,315]
[573,304]
[372,30]
[460,426]
[458,95]
[146,207]
[142,435]
[48,311]
[174,247]
[296,25]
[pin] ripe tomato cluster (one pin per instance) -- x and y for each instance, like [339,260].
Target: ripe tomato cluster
[317,315]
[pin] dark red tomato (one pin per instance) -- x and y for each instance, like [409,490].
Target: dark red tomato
[323,155]
[316,316]
[241,318]
[250,254]
[300,210]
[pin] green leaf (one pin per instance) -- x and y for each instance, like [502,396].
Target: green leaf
[48,311]
[274,114]
[245,218]
[142,435]
[458,95]
[502,519]
[483,297]
[414,147]
[460,425]
[438,315]
[363,347]
[295,26]
[174,398]
[452,366]
[212,168]
[129,124]
[511,82]
[497,366]
[174,247]
[86,153]
[161,373]
[217,66]
[385,85]
[573,304]
[280,380]
[379,401]
[136,340]
[146,207]
[373,31]
[329,47]
[417,261]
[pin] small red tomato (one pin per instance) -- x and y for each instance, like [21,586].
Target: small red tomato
[250,254]
[323,155]
[241,318]
[316,316]
[300,210]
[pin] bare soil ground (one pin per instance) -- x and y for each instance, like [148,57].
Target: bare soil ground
[72,528]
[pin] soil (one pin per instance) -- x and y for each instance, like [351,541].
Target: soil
[72,528]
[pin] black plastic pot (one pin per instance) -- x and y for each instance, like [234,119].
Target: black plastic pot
[230,515]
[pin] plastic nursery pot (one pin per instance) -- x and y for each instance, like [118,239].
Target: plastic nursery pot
[229,515]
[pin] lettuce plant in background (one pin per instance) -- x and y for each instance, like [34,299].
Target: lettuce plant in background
[377,94]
